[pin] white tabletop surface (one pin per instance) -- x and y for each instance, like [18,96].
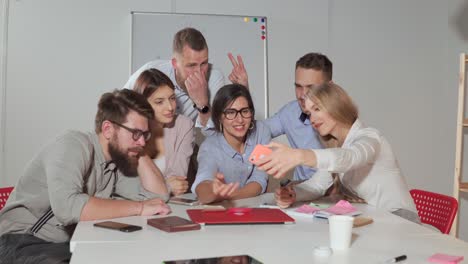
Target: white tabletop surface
[389,236]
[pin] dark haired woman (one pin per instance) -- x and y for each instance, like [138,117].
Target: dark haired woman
[224,171]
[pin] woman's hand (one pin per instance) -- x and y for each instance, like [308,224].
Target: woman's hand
[280,161]
[178,184]
[285,196]
[222,190]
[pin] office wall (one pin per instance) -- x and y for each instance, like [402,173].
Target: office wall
[391,55]
[457,41]
[398,59]
[3,51]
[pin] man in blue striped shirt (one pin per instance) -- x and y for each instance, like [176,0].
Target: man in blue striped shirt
[291,120]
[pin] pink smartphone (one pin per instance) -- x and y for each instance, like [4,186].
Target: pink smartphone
[259,152]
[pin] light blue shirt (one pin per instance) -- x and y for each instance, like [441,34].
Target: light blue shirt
[290,120]
[184,102]
[216,155]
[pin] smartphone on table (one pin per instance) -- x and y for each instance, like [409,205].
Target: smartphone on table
[118,226]
[183,201]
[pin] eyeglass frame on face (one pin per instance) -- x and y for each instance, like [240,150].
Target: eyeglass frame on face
[250,113]
[136,133]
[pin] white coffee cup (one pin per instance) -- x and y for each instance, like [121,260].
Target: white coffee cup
[341,227]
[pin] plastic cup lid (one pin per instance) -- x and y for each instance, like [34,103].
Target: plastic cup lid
[322,251]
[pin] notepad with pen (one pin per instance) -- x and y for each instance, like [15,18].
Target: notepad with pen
[341,208]
[235,216]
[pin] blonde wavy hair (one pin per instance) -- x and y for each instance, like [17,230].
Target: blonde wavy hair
[331,98]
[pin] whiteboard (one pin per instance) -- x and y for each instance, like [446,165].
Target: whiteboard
[152,35]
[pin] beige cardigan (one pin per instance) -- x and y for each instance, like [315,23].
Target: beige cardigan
[178,146]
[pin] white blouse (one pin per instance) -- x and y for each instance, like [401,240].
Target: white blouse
[366,165]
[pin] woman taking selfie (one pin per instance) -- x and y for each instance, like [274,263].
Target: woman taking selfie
[360,157]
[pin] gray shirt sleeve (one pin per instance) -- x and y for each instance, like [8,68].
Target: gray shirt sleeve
[66,162]
[130,188]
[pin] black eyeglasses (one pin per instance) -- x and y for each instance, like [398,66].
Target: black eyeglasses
[136,133]
[231,113]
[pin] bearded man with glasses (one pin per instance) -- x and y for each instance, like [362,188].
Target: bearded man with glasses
[75,177]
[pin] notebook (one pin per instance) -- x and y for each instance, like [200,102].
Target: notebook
[173,224]
[239,216]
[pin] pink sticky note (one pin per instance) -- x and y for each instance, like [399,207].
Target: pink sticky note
[341,207]
[307,209]
[445,259]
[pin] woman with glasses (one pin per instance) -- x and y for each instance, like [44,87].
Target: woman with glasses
[224,170]
[171,144]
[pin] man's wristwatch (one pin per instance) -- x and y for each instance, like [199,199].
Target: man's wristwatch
[204,109]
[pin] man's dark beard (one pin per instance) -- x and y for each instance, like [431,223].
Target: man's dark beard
[127,165]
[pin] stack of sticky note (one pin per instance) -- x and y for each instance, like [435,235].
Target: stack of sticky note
[445,259]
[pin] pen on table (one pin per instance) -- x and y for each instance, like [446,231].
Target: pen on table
[396,259]
[285,183]
[271,206]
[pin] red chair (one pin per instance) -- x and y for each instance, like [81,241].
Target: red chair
[4,194]
[435,209]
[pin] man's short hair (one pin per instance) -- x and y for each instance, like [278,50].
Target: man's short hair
[318,62]
[191,37]
[115,106]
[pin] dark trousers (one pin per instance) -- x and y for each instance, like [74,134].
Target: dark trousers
[26,248]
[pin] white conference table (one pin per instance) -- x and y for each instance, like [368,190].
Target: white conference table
[389,236]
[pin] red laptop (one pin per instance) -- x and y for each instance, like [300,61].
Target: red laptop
[235,216]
